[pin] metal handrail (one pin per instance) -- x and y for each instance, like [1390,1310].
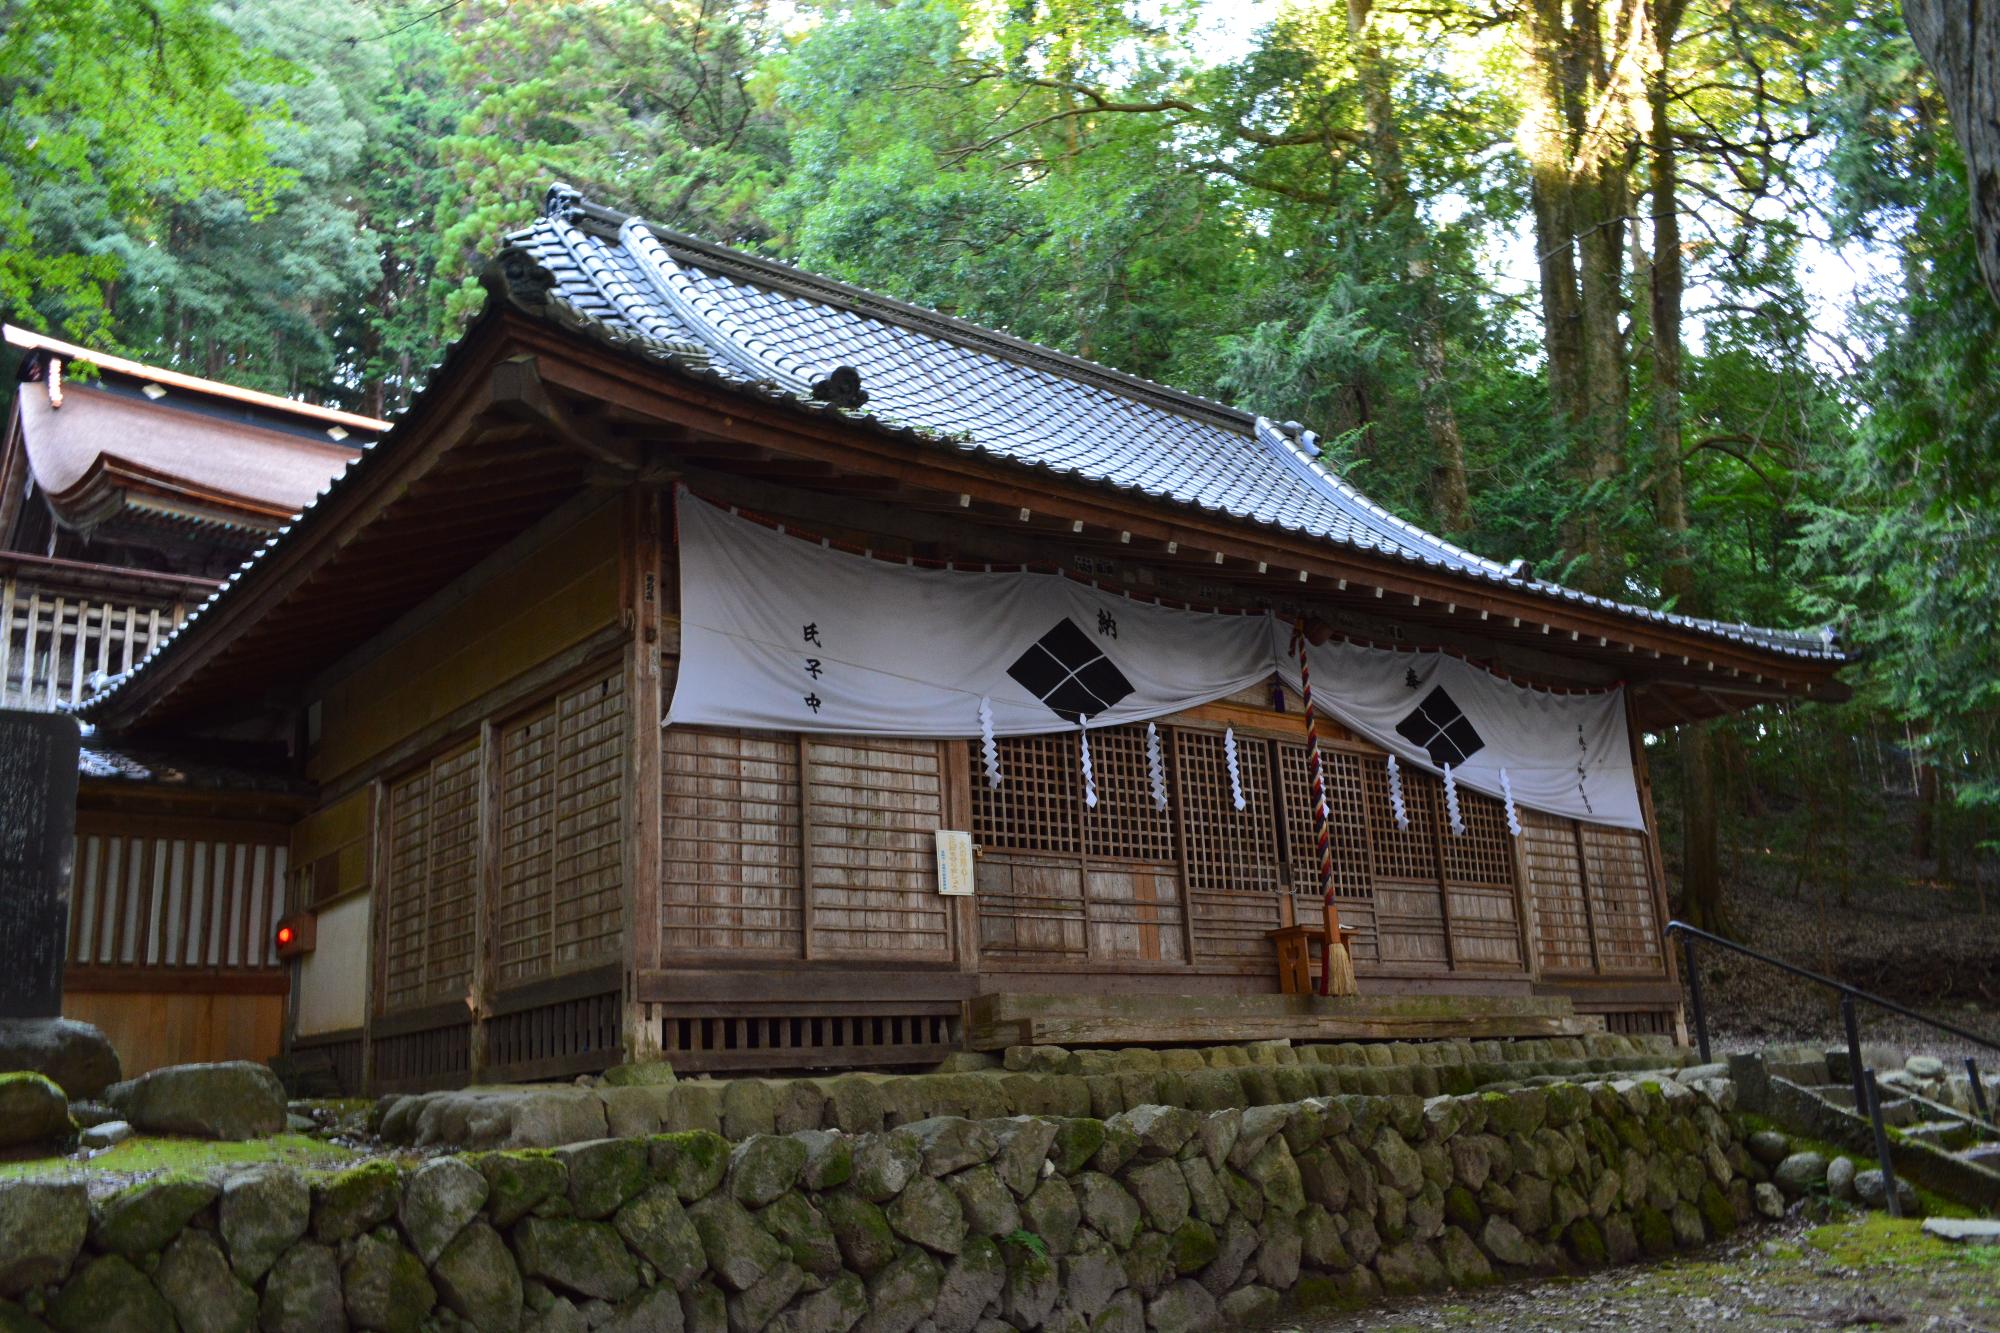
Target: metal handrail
[1867,1095]
[1689,934]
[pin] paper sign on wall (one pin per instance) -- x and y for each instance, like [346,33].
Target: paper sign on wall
[954,862]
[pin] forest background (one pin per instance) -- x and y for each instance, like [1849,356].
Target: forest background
[1677,299]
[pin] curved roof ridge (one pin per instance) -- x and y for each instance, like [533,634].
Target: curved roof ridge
[816,287]
[1294,452]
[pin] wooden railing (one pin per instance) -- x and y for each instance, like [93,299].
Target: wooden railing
[58,634]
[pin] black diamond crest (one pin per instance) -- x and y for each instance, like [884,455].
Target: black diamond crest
[1066,670]
[1441,729]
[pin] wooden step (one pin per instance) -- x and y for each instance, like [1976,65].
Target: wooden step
[1000,1020]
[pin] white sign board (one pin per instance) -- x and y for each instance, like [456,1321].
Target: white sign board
[954,857]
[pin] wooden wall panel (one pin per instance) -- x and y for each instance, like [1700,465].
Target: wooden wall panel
[588,907]
[1135,914]
[522,927]
[1030,910]
[54,640]
[430,895]
[159,905]
[465,647]
[153,1029]
[1409,924]
[1227,849]
[1229,929]
[1552,869]
[874,807]
[730,863]
[1485,928]
[1622,916]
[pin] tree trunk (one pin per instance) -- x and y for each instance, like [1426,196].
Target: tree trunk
[1961,44]
[1583,98]
[1701,871]
[1451,497]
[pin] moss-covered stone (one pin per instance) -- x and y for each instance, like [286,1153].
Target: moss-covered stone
[1193,1246]
[144,1217]
[884,1164]
[385,1286]
[1461,1208]
[748,1107]
[1585,1243]
[1654,1230]
[1053,1213]
[1715,1209]
[805,1233]
[976,1278]
[302,1291]
[739,1251]
[42,1226]
[928,1213]
[1033,1285]
[109,1295]
[693,1162]
[350,1202]
[1076,1142]
[33,1111]
[518,1182]
[861,1231]
[439,1198]
[477,1279]
[854,1105]
[657,1228]
[903,1292]
[603,1174]
[261,1214]
[206,1296]
[588,1258]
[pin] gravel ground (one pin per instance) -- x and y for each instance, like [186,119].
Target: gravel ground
[1856,1272]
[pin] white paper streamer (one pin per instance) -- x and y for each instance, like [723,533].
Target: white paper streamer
[1451,804]
[1507,794]
[1156,766]
[1089,775]
[989,749]
[1396,805]
[1235,774]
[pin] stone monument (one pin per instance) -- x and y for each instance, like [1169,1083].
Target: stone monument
[38,753]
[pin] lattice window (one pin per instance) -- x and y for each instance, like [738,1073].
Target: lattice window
[433,877]
[1400,853]
[1227,848]
[730,869]
[1347,807]
[1035,808]
[1483,854]
[1126,824]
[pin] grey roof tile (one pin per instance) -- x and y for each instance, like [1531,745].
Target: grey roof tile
[770,325]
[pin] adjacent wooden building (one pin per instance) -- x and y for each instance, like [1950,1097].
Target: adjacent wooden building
[460,656]
[127,493]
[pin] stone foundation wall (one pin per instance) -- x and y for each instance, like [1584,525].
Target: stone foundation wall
[1157,1218]
[1039,1080]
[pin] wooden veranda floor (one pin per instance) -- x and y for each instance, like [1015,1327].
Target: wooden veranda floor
[1001,1020]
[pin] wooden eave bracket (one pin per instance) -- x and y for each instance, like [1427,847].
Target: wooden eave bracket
[517,392]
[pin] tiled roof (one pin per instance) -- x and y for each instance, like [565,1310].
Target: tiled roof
[757,323]
[762,326]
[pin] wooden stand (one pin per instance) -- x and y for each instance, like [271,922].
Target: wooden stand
[1298,944]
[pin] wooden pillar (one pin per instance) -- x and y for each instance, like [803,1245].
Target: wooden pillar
[644,592]
[1655,866]
[486,905]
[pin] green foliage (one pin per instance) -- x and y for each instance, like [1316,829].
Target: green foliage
[298,194]
[108,107]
